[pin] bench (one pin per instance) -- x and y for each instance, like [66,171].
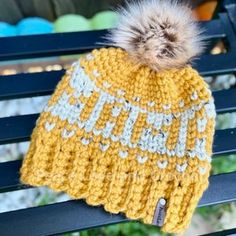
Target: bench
[76,215]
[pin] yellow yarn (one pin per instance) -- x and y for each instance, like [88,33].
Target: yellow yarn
[150,138]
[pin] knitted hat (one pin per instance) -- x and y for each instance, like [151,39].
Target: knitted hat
[131,128]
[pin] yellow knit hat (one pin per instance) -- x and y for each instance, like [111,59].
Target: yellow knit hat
[131,128]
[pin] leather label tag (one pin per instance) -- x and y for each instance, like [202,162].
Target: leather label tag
[159,214]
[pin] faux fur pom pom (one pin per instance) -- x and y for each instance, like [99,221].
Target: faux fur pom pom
[161,34]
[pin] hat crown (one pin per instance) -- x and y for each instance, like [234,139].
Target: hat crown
[112,70]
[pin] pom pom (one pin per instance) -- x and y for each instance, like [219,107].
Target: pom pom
[161,34]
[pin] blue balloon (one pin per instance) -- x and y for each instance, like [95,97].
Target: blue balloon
[34,25]
[7,30]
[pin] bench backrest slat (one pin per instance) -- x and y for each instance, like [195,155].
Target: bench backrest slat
[71,43]
[19,128]
[48,45]
[43,83]
[31,84]
[73,215]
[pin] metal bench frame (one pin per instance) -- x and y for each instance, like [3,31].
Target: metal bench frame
[75,215]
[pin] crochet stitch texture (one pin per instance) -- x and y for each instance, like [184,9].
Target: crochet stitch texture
[131,127]
[123,135]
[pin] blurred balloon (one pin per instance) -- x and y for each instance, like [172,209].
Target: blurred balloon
[104,20]
[71,22]
[34,25]
[7,30]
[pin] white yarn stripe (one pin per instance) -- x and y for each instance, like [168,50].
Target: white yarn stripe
[67,134]
[96,112]
[108,129]
[201,124]
[85,141]
[123,154]
[49,126]
[104,146]
[116,111]
[142,159]
[210,109]
[158,120]
[202,170]
[181,168]
[200,149]
[182,138]
[129,124]
[162,164]
[83,85]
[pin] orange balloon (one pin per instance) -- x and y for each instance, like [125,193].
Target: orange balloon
[205,11]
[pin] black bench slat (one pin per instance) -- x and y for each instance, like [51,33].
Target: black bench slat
[231,9]
[225,100]
[46,45]
[13,129]
[19,128]
[224,141]
[9,181]
[208,65]
[16,128]
[213,29]
[39,84]
[73,215]
[43,83]
[56,219]
[9,172]
[221,189]
[229,30]
[29,84]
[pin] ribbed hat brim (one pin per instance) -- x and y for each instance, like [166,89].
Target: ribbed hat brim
[84,172]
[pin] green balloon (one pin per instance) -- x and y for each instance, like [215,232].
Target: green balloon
[104,20]
[71,22]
